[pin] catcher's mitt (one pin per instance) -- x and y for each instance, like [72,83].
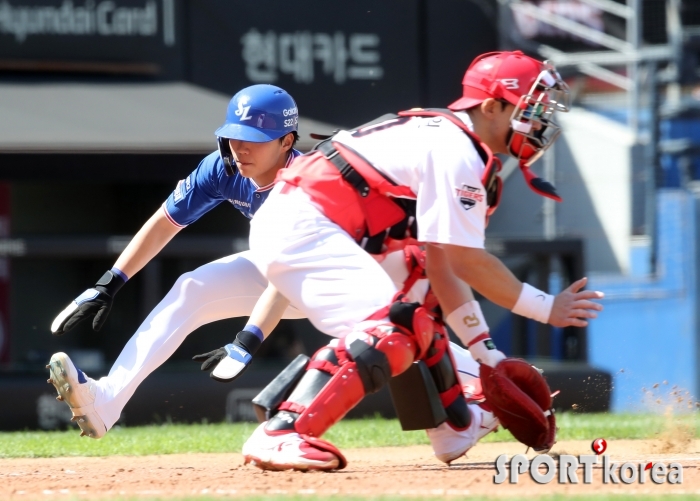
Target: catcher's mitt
[521,400]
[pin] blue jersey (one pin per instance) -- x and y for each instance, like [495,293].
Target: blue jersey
[208,186]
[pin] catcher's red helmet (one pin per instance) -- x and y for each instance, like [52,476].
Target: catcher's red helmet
[499,75]
[535,89]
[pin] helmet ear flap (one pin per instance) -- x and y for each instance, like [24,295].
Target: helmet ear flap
[226,156]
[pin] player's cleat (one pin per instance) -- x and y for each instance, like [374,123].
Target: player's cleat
[78,391]
[450,444]
[284,450]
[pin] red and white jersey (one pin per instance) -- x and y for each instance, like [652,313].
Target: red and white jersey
[440,164]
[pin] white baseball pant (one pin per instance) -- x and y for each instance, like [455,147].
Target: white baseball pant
[316,265]
[226,288]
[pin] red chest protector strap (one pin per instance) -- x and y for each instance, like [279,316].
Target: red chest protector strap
[492,163]
[354,194]
[347,197]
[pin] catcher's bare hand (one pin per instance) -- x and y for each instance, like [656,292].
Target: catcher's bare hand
[572,306]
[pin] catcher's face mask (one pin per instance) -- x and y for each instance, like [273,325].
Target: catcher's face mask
[533,129]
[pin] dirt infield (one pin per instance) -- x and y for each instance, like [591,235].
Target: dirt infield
[409,471]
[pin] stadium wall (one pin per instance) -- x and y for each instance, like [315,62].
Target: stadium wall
[648,333]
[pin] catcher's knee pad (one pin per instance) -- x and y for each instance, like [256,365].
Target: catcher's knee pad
[372,365]
[417,320]
[380,353]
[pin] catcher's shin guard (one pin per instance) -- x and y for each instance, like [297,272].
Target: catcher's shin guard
[339,376]
[437,357]
[430,393]
[443,370]
[319,371]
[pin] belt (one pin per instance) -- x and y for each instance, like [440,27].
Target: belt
[347,171]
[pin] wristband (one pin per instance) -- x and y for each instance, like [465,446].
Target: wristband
[255,330]
[534,304]
[120,274]
[467,322]
[249,341]
[110,283]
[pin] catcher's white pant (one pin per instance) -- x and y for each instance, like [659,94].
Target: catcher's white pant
[316,265]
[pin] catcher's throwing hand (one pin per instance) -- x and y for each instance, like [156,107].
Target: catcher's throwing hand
[572,305]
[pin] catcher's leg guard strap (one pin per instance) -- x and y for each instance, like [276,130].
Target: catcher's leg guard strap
[268,400]
[414,257]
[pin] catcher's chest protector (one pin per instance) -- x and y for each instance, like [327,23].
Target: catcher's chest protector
[359,198]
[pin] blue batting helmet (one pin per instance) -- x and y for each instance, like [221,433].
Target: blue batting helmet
[259,113]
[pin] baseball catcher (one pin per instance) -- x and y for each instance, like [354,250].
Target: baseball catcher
[421,175]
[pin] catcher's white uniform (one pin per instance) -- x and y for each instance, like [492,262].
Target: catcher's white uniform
[320,268]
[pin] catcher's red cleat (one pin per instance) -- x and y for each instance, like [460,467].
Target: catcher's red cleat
[284,450]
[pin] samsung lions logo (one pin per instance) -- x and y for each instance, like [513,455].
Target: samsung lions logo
[242,110]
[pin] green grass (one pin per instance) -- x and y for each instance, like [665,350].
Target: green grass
[222,437]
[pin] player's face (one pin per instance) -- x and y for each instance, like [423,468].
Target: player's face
[260,161]
[500,126]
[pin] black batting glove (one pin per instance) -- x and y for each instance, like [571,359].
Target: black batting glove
[95,302]
[232,360]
